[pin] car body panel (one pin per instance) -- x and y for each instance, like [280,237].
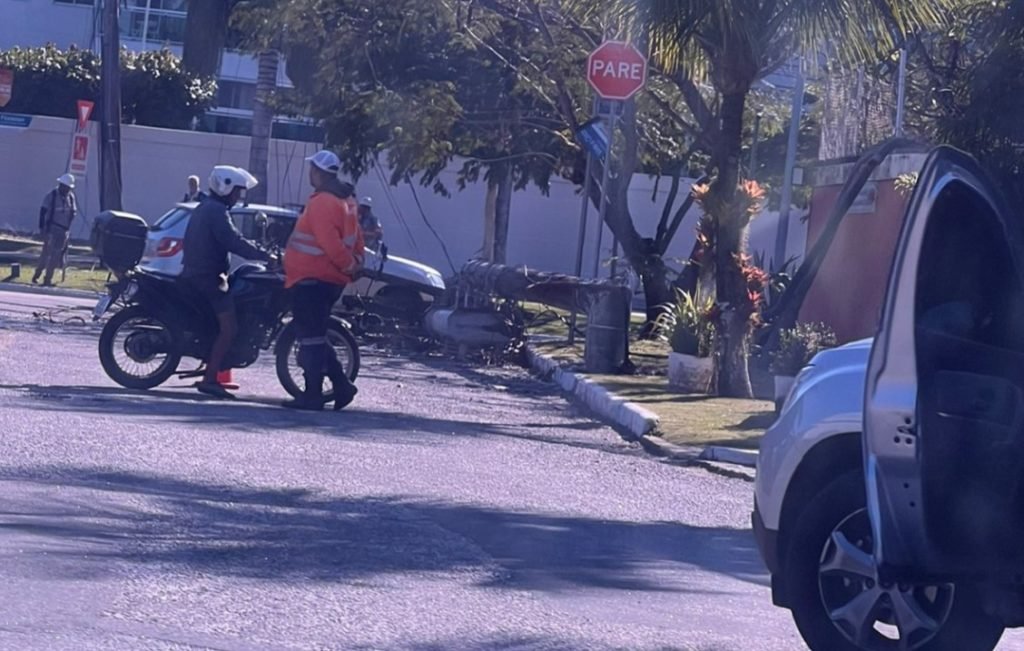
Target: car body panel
[893,440]
[826,401]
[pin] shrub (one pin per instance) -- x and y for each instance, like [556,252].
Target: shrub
[797,346]
[155,90]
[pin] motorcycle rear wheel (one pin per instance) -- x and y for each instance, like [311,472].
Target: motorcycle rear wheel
[132,362]
[289,373]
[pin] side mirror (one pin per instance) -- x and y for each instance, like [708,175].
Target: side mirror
[261,222]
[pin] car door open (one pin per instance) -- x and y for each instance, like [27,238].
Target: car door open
[944,402]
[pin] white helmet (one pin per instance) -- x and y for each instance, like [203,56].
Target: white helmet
[226,178]
[66,180]
[366,201]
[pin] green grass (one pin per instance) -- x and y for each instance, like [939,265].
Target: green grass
[77,277]
[692,420]
[695,419]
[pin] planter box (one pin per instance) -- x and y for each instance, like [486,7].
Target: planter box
[689,374]
[783,383]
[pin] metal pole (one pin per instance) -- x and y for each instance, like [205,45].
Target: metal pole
[901,92]
[604,194]
[584,210]
[145,24]
[752,170]
[782,235]
[110,136]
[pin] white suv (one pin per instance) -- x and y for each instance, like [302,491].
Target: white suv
[889,500]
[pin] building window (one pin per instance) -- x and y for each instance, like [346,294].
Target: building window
[164,22]
[236,95]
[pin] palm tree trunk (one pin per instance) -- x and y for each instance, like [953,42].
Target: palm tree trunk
[734,326]
[262,123]
[206,31]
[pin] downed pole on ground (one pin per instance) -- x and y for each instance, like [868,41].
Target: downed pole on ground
[472,318]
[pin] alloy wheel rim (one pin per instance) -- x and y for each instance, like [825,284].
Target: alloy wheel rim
[872,614]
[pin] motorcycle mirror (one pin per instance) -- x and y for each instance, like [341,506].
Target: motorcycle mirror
[261,224]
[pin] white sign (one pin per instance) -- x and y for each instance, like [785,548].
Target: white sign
[80,154]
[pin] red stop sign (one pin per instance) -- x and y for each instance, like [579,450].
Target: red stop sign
[616,70]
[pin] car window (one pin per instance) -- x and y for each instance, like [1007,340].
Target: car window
[171,219]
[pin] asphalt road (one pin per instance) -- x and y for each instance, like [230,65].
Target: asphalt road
[448,508]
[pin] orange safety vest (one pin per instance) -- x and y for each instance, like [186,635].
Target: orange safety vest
[327,243]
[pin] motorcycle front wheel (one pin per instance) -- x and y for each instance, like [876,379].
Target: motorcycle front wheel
[289,373]
[138,350]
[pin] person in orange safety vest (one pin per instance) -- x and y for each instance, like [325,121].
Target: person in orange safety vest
[323,255]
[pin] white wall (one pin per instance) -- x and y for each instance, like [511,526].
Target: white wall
[543,231]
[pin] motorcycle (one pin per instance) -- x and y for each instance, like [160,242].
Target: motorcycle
[160,323]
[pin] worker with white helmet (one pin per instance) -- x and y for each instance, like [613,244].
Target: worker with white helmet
[324,254]
[55,216]
[209,240]
[373,232]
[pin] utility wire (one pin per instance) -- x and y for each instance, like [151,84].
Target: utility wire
[416,198]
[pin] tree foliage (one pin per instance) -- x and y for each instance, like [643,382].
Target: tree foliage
[967,87]
[155,90]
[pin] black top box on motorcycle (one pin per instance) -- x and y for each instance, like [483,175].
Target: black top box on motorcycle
[119,239]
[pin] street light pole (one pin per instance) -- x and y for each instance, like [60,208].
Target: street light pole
[782,234]
[901,92]
[110,101]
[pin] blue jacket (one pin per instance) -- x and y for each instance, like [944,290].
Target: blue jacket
[211,238]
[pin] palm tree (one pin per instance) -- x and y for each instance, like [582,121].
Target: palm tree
[262,122]
[731,44]
[206,32]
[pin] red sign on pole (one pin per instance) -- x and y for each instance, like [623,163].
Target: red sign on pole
[79,155]
[84,112]
[617,70]
[6,86]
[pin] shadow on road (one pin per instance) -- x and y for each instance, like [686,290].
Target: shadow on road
[523,643]
[289,535]
[257,413]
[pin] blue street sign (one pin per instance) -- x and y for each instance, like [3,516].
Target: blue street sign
[594,138]
[15,120]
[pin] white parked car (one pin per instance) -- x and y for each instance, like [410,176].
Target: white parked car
[889,500]
[165,243]
[398,280]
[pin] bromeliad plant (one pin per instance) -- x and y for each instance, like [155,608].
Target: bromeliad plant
[688,325]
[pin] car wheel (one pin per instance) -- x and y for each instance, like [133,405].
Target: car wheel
[838,602]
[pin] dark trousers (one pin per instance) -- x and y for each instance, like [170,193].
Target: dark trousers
[311,312]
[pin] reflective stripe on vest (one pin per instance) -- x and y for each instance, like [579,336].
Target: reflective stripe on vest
[301,242]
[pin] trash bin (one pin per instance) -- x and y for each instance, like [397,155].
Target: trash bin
[607,342]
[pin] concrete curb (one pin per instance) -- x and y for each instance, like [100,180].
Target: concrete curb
[32,289]
[694,456]
[745,458]
[634,419]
